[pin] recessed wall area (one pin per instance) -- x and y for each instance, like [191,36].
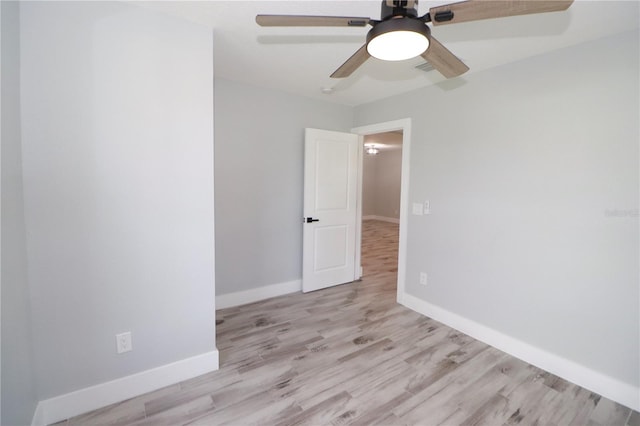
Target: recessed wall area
[381,175]
[110,179]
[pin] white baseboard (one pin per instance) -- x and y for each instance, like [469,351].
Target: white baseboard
[38,417]
[382,218]
[256,294]
[94,397]
[620,392]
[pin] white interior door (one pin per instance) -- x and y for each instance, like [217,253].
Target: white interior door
[330,213]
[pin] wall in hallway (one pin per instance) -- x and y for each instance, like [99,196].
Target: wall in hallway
[381,176]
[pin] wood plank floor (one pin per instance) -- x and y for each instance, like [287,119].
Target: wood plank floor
[351,355]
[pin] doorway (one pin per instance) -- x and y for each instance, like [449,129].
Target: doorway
[381,185]
[401,128]
[381,177]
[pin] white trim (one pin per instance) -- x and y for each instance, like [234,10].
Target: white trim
[38,417]
[597,382]
[389,126]
[81,401]
[358,242]
[382,218]
[256,294]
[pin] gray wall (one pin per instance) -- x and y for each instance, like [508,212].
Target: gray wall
[381,178]
[117,110]
[368,185]
[259,164]
[532,174]
[388,176]
[18,390]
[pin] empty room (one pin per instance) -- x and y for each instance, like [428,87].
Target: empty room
[320,212]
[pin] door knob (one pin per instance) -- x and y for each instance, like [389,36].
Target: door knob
[310,219]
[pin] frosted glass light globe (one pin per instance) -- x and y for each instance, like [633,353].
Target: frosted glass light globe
[398,45]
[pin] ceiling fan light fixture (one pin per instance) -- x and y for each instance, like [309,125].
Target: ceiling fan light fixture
[371,149]
[398,39]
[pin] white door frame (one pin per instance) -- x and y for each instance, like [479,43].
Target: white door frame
[389,126]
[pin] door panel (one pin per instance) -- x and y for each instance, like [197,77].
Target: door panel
[330,195]
[335,237]
[332,174]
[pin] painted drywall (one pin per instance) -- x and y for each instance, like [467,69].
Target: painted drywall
[532,174]
[117,113]
[381,176]
[18,387]
[388,174]
[259,182]
[368,185]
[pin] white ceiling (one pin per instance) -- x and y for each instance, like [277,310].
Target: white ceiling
[300,60]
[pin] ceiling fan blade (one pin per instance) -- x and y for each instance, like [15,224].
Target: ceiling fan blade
[473,10]
[310,21]
[443,60]
[352,63]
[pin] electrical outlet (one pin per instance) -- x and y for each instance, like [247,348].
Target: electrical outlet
[123,342]
[423,278]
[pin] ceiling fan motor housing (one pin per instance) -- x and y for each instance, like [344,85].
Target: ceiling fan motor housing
[399,8]
[400,24]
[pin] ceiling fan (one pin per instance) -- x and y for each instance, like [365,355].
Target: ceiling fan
[402,34]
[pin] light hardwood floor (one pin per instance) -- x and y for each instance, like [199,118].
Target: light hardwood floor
[351,355]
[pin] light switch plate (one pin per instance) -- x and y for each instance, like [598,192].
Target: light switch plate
[417,209]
